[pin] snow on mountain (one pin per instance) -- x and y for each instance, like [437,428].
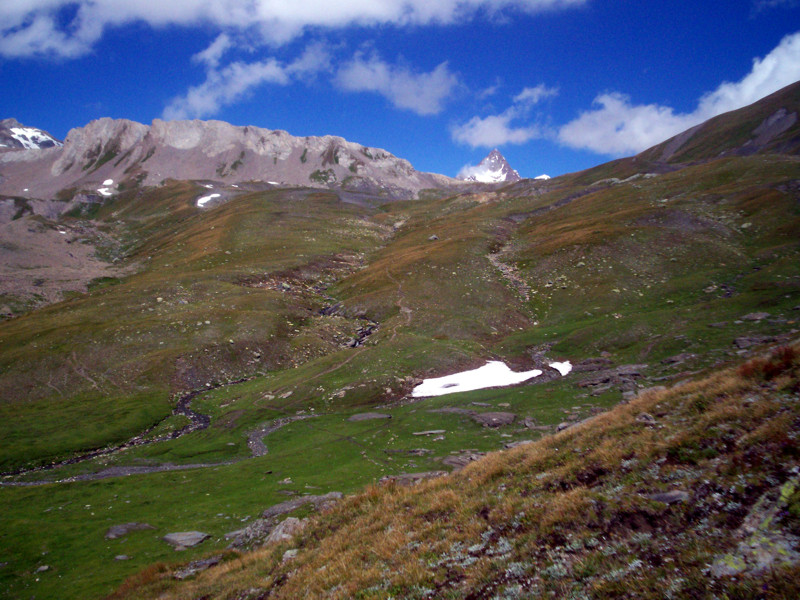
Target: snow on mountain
[15,135]
[492,169]
[543,177]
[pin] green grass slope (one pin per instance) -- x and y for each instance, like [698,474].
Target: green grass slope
[688,492]
[291,306]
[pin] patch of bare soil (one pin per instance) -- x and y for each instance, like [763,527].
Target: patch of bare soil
[40,261]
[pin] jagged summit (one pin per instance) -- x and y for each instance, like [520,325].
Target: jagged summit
[492,169]
[14,134]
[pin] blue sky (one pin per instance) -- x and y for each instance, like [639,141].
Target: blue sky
[556,85]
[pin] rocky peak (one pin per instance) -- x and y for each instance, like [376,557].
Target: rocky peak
[492,169]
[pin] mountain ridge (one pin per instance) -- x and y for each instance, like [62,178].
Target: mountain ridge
[120,149]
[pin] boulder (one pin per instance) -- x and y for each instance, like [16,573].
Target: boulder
[494,419]
[286,530]
[671,497]
[185,539]
[753,340]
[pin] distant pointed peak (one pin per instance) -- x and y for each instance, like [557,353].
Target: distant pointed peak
[492,169]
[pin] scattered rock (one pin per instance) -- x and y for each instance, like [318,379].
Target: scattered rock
[117,531]
[592,364]
[678,358]
[756,316]
[494,419]
[753,340]
[406,479]
[289,555]
[319,502]
[631,370]
[185,539]
[433,238]
[462,459]
[286,530]
[258,532]
[671,497]
[368,416]
[122,557]
[646,418]
[429,432]
[517,443]
[564,425]
[196,566]
[719,325]
[765,544]
[43,568]
[410,451]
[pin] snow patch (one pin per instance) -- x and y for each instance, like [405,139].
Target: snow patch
[543,177]
[31,138]
[202,201]
[208,186]
[108,182]
[105,191]
[562,367]
[493,374]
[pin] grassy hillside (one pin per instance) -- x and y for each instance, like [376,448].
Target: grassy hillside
[231,370]
[688,492]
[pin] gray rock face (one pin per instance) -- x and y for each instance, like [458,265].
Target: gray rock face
[185,539]
[207,150]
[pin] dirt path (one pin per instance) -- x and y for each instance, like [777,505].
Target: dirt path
[509,273]
[406,311]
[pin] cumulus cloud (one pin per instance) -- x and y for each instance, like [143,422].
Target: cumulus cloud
[497,130]
[422,93]
[69,28]
[616,126]
[226,85]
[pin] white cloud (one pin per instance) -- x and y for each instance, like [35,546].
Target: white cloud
[39,27]
[224,86]
[761,5]
[422,93]
[530,96]
[494,130]
[212,55]
[497,130]
[618,127]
